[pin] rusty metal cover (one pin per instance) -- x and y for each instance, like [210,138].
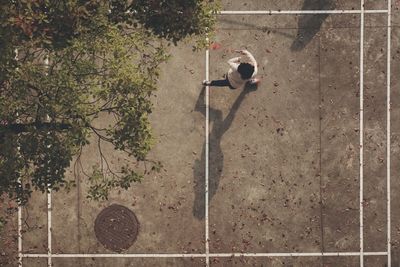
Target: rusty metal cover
[116,227]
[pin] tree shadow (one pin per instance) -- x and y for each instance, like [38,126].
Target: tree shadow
[216,157]
[310,25]
[255,27]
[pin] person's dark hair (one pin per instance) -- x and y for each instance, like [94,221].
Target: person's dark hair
[246,70]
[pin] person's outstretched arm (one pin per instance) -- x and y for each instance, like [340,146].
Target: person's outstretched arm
[247,57]
[234,62]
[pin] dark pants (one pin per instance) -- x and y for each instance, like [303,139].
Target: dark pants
[221,83]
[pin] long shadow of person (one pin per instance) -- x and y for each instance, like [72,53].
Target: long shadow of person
[216,157]
[309,25]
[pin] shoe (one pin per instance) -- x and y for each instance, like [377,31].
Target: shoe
[255,81]
[206,83]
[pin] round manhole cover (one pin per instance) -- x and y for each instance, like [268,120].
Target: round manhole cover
[116,227]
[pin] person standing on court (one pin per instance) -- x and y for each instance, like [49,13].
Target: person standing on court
[242,70]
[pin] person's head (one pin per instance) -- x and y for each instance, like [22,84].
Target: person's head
[246,70]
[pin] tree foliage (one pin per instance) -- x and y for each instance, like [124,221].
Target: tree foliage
[175,20]
[63,65]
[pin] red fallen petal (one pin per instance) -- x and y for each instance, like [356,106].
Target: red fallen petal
[215,46]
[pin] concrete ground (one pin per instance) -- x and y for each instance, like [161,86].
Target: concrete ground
[284,159]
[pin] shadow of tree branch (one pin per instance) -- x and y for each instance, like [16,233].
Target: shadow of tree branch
[310,25]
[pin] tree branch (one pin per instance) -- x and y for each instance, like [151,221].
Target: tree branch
[102,137]
[25,127]
[102,157]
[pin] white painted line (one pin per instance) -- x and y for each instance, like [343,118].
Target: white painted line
[212,255]
[298,254]
[388,131]
[207,235]
[19,236]
[19,208]
[49,263]
[297,12]
[49,250]
[158,255]
[362,136]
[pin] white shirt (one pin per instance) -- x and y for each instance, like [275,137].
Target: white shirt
[233,75]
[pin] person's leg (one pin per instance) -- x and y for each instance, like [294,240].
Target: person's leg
[220,83]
